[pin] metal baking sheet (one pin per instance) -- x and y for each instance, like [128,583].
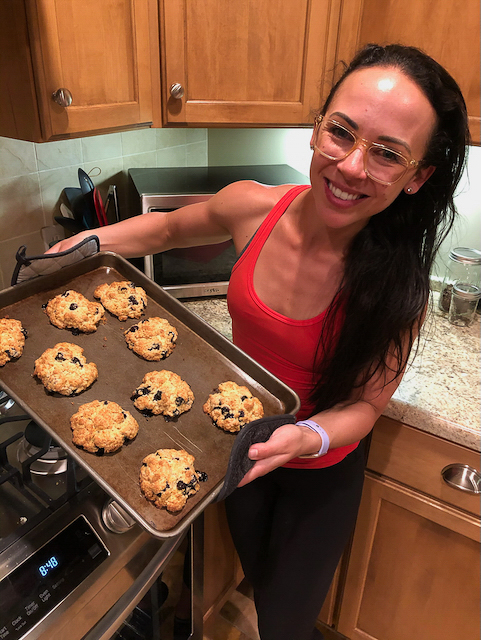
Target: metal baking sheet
[202,357]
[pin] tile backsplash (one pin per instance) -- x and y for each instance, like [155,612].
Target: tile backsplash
[32,177]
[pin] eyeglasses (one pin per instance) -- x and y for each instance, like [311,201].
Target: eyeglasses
[381,163]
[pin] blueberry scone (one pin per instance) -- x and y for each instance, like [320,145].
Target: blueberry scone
[122,299]
[102,427]
[163,392]
[168,478]
[151,339]
[12,340]
[64,369]
[231,406]
[71,310]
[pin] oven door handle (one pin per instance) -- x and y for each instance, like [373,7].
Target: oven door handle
[117,614]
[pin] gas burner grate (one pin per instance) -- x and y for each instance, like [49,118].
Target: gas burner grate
[24,483]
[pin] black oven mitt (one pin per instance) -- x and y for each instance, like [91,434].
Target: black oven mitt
[239,462]
[34,266]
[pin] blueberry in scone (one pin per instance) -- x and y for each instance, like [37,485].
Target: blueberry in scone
[232,406]
[102,427]
[72,310]
[168,478]
[123,299]
[152,339]
[12,340]
[64,369]
[163,392]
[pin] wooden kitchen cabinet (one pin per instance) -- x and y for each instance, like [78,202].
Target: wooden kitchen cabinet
[106,54]
[222,569]
[414,567]
[448,30]
[258,62]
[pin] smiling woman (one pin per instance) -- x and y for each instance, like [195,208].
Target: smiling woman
[328,294]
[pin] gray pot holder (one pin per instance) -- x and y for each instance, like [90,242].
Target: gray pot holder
[239,462]
[34,266]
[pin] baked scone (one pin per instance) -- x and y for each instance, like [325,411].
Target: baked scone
[64,369]
[72,310]
[102,427]
[12,339]
[168,478]
[122,299]
[231,406]
[152,339]
[163,392]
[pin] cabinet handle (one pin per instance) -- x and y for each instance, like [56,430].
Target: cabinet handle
[176,90]
[63,97]
[462,476]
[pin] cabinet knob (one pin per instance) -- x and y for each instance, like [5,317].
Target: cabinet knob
[177,90]
[63,97]
[462,476]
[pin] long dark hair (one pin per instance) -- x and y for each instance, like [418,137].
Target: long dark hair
[385,286]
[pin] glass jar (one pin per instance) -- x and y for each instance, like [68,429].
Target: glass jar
[464,266]
[464,300]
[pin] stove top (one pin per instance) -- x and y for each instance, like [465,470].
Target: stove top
[63,541]
[36,474]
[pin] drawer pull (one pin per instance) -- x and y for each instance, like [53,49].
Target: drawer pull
[462,476]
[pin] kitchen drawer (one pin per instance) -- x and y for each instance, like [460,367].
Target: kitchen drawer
[417,459]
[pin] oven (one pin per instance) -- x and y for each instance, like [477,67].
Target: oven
[204,270]
[73,563]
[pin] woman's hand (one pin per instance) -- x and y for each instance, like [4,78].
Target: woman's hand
[287,442]
[68,243]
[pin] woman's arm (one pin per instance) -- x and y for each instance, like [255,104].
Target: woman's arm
[154,232]
[344,424]
[234,212]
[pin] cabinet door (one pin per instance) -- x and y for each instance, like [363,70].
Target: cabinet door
[448,30]
[222,570]
[414,569]
[252,62]
[104,53]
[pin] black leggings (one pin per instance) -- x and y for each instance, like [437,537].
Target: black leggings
[290,528]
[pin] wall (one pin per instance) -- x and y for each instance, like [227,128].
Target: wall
[32,177]
[291,146]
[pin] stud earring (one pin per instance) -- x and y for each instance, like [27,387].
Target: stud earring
[408,190]
[312,147]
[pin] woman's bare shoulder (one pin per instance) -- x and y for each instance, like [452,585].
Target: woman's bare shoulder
[246,198]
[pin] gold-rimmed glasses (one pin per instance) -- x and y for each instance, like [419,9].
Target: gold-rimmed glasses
[381,163]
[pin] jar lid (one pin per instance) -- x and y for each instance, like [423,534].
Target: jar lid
[465,255]
[467,291]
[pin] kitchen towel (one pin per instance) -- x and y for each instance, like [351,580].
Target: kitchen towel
[34,266]
[239,461]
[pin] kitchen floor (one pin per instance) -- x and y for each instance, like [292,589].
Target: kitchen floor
[237,620]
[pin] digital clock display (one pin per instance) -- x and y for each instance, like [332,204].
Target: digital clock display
[47,577]
[45,569]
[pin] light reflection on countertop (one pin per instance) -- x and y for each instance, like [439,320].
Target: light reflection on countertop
[440,392]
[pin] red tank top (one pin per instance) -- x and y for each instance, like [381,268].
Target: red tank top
[284,346]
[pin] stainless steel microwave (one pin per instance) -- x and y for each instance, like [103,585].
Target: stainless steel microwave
[194,271]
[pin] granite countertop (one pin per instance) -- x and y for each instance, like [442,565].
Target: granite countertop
[440,392]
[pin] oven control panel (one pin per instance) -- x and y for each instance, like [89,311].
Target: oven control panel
[47,577]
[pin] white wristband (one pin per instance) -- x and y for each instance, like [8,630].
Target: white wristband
[310,424]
